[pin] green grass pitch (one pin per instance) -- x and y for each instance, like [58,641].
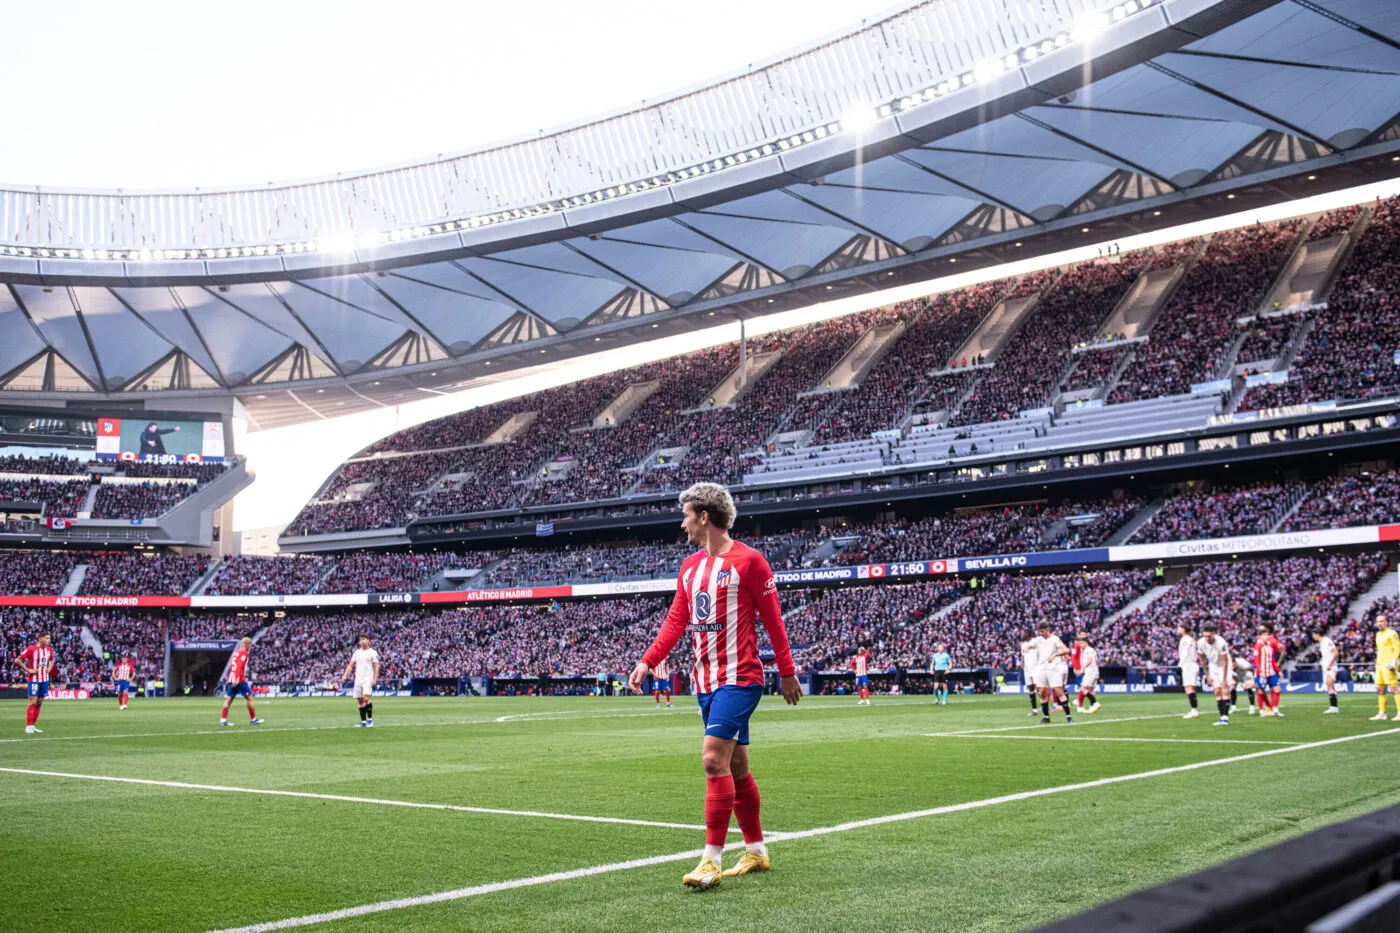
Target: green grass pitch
[84,855]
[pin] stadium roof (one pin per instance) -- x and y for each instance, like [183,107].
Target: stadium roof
[975,130]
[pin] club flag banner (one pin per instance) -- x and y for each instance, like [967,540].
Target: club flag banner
[544,529]
[109,436]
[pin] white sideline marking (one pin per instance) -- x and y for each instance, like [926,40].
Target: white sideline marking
[346,799]
[1105,738]
[1056,725]
[460,893]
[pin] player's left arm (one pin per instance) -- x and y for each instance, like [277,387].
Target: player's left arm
[763,589]
[375,679]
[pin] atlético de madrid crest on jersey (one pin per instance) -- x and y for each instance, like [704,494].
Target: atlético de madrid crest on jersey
[722,578]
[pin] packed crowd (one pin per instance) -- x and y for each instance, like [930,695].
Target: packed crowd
[987,630]
[267,576]
[211,625]
[1350,353]
[1348,501]
[1296,594]
[938,326]
[19,627]
[138,500]
[387,572]
[146,573]
[573,639]
[1198,323]
[1092,368]
[605,457]
[45,465]
[139,637]
[146,469]
[453,470]
[826,626]
[1266,340]
[535,567]
[58,498]
[1356,640]
[1034,358]
[1216,513]
[35,573]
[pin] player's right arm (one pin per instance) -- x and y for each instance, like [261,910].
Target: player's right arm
[677,617]
[349,668]
[22,661]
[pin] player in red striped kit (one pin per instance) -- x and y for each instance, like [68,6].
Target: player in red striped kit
[861,665]
[122,676]
[237,681]
[722,590]
[38,663]
[661,683]
[1268,655]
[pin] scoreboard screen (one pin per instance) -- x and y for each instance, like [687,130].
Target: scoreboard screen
[160,440]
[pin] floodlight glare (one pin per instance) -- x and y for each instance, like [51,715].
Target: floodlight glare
[1088,27]
[858,119]
[337,243]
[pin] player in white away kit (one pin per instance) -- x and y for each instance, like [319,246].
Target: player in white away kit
[1329,653]
[1052,669]
[365,665]
[1028,670]
[1088,671]
[1212,649]
[1190,668]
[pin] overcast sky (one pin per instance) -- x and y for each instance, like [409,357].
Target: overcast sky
[169,94]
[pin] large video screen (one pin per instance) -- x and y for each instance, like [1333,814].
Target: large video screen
[161,440]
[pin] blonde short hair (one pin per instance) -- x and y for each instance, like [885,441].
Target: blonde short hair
[712,498]
[245,642]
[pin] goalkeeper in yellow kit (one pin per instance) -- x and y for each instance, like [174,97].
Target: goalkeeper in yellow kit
[1387,658]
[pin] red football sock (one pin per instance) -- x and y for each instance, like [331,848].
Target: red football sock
[1261,700]
[29,715]
[251,715]
[746,808]
[719,806]
[35,720]
[656,695]
[1273,699]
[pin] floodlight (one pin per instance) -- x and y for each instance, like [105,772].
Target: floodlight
[858,119]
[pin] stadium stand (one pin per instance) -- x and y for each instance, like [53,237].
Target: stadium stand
[1350,353]
[264,576]
[1035,357]
[161,574]
[138,500]
[1346,501]
[1218,513]
[472,462]
[1198,324]
[370,572]
[35,573]
[1297,594]
[20,627]
[58,499]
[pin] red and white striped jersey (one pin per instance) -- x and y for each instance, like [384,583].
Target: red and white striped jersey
[662,670]
[39,660]
[861,663]
[1266,655]
[238,666]
[123,671]
[719,600]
